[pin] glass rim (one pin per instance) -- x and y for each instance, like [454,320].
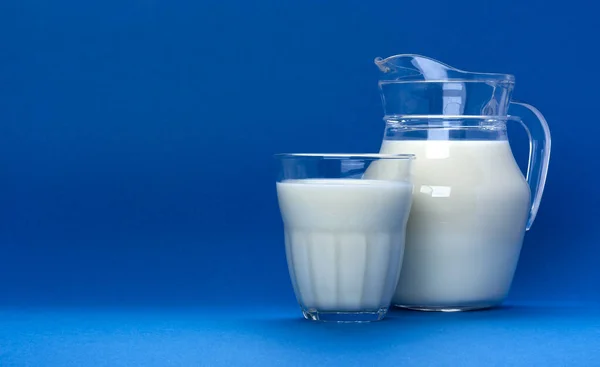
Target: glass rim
[339,156]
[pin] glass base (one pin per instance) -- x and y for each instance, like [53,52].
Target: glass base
[344,316]
[446,308]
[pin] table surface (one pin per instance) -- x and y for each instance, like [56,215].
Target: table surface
[517,334]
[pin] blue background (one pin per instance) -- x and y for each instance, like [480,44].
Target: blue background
[136,174]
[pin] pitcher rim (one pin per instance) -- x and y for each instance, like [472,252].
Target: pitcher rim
[479,77]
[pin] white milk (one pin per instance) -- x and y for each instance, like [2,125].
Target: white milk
[466,226]
[344,240]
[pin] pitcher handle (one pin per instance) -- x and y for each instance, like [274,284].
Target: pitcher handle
[539,152]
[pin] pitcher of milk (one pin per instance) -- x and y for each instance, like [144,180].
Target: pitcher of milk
[471,203]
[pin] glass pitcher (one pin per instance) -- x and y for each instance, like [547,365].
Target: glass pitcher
[471,203]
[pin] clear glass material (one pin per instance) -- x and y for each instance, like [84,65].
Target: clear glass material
[419,85]
[471,203]
[414,86]
[344,221]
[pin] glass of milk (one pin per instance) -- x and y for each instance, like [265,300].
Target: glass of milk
[345,219]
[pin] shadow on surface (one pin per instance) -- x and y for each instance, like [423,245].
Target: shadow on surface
[402,327]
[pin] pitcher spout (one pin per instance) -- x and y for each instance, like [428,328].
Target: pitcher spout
[412,67]
[412,84]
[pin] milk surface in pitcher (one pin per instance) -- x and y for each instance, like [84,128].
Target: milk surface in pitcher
[466,226]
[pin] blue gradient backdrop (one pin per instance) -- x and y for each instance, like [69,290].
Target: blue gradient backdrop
[136,136]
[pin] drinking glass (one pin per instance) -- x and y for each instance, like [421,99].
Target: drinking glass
[344,218]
